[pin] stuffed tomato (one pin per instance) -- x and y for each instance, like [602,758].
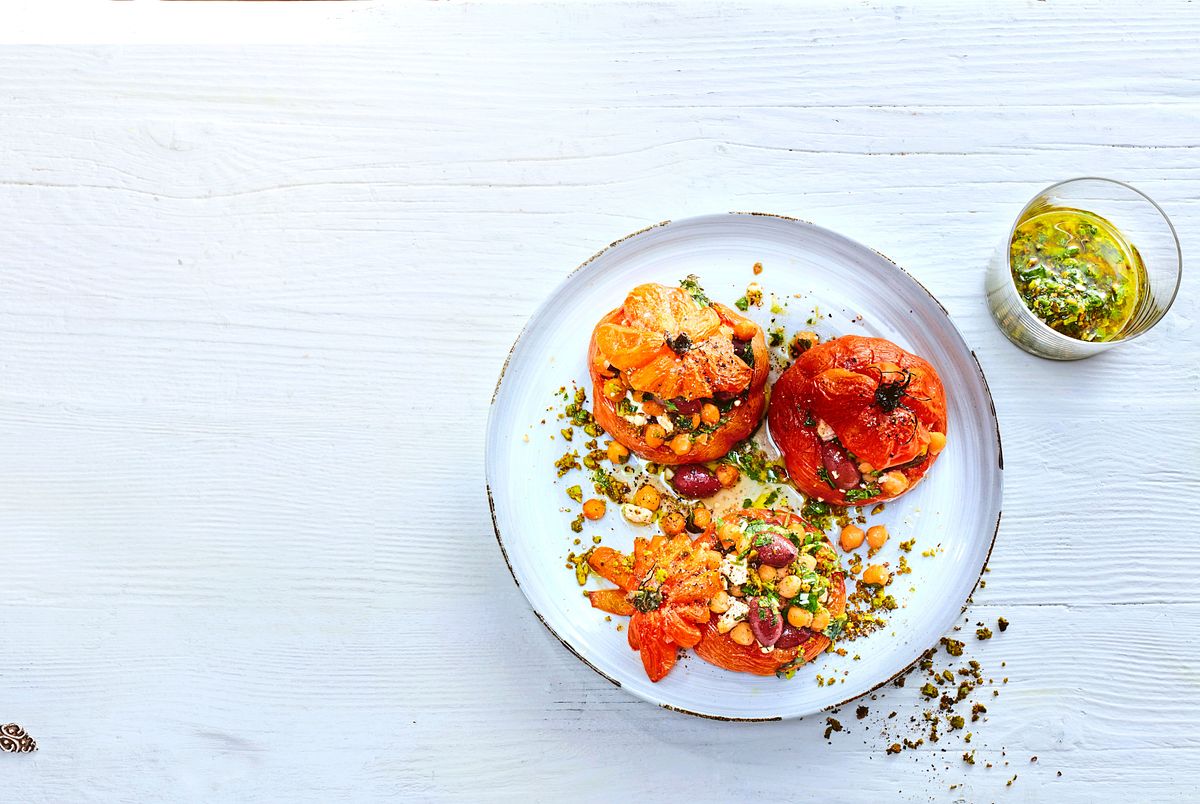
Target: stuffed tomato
[858,420]
[783,596]
[677,378]
[758,592]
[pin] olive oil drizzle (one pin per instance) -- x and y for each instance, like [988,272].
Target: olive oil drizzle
[1076,272]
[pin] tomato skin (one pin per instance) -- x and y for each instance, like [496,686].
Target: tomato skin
[686,586]
[612,566]
[837,381]
[720,649]
[614,601]
[658,652]
[743,420]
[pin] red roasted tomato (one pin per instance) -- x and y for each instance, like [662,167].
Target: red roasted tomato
[859,420]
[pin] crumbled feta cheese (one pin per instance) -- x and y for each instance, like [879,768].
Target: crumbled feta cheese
[734,569]
[737,612]
[801,600]
[637,514]
[665,421]
[824,431]
[636,419]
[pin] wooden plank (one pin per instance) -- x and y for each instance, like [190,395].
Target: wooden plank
[227,682]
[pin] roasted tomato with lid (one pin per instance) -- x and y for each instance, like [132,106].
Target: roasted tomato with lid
[677,378]
[858,420]
[664,587]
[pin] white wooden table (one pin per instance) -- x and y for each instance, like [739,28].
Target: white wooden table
[246,549]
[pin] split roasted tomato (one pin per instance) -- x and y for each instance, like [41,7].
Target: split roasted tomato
[677,378]
[858,420]
[720,649]
[664,588]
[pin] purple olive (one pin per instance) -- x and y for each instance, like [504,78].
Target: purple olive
[779,552]
[841,469]
[792,637]
[694,480]
[688,406]
[766,623]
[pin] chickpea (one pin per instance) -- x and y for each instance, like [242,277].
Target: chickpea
[866,468]
[876,575]
[743,543]
[681,444]
[719,603]
[893,483]
[712,560]
[653,408]
[648,497]
[727,475]
[742,634]
[851,538]
[820,620]
[655,435]
[789,586]
[766,573]
[799,617]
[614,390]
[703,439]
[744,329]
[673,523]
[807,560]
[594,508]
[710,413]
[727,533]
[877,536]
[937,442]
[617,453]
[736,590]
[701,517]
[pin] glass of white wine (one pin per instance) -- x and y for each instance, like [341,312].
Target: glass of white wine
[1089,263]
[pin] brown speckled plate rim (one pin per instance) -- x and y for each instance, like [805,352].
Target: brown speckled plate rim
[902,671]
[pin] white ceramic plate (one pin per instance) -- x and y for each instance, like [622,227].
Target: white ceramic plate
[955,510]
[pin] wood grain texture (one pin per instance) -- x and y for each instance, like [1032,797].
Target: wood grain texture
[239,511]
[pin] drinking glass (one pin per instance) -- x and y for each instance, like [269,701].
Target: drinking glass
[1144,226]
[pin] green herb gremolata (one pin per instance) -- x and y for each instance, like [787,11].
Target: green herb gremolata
[1076,272]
